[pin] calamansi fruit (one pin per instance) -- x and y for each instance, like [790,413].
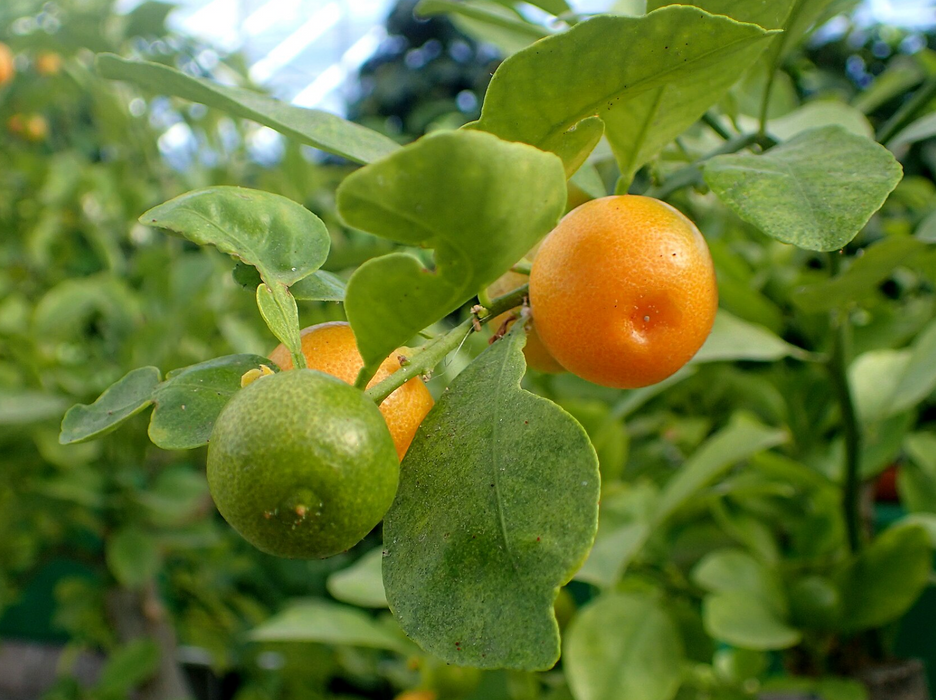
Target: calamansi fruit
[7,66]
[331,348]
[623,291]
[48,63]
[301,464]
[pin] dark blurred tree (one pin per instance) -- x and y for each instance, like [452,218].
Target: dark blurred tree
[425,74]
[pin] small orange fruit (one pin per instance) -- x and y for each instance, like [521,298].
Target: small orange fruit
[331,348]
[48,63]
[36,128]
[7,67]
[623,291]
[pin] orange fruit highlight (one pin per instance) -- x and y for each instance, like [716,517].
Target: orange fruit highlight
[331,348]
[623,291]
[7,67]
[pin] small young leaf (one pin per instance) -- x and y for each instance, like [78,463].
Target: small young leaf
[818,114]
[538,96]
[132,557]
[623,646]
[867,272]
[122,400]
[128,667]
[313,127]
[746,621]
[362,583]
[480,202]
[486,13]
[189,401]
[328,623]
[283,240]
[886,579]
[816,191]
[497,508]
[730,570]
[280,313]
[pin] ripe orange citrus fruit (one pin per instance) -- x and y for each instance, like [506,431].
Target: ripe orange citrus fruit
[301,464]
[623,291]
[7,67]
[331,348]
[536,354]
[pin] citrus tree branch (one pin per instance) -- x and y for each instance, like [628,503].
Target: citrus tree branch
[436,350]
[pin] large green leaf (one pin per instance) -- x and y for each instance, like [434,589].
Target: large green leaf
[646,123]
[539,96]
[122,400]
[283,240]
[862,278]
[313,127]
[497,508]
[479,202]
[328,623]
[769,14]
[887,578]
[816,191]
[623,647]
[746,621]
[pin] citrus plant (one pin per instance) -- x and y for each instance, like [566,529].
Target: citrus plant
[650,116]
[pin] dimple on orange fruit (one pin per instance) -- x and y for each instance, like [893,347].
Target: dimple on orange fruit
[331,348]
[623,291]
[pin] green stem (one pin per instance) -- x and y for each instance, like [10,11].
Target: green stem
[692,174]
[765,103]
[523,268]
[838,364]
[906,114]
[712,122]
[436,350]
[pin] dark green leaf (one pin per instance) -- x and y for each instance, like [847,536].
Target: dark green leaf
[328,623]
[479,202]
[538,96]
[132,557]
[119,402]
[816,191]
[128,667]
[873,267]
[886,579]
[190,399]
[316,128]
[497,508]
[746,621]
[623,647]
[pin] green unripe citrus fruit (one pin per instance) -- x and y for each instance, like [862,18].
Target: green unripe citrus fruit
[301,464]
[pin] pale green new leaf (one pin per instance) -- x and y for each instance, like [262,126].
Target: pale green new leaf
[310,126]
[487,20]
[327,623]
[735,339]
[479,202]
[361,583]
[497,508]
[623,647]
[923,128]
[769,14]
[734,570]
[816,191]
[541,95]
[746,621]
